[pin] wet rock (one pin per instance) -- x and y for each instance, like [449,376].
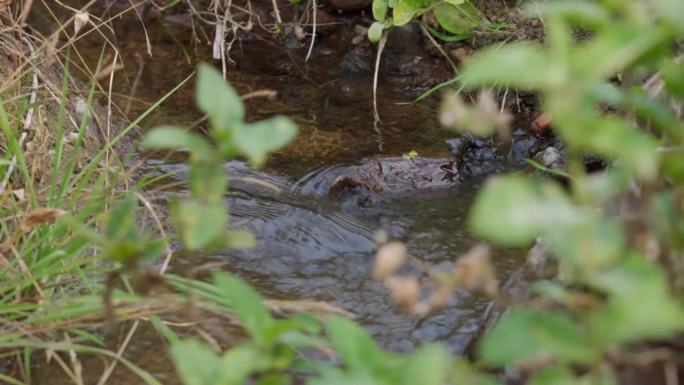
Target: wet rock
[350,5]
[356,62]
[372,179]
[404,51]
[551,158]
[346,91]
[476,156]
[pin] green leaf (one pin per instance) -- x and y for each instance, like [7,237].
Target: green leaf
[587,246]
[247,305]
[238,364]
[174,138]
[640,304]
[208,181]
[512,210]
[240,239]
[616,49]
[195,362]
[257,140]
[123,241]
[357,349]
[121,220]
[581,13]
[527,335]
[457,19]
[218,100]
[375,31]
[404,11]
[615,138]
[429,365]
[520,65]
[554,376]
[379,10]
[445,37]
[199,223]
[672,11]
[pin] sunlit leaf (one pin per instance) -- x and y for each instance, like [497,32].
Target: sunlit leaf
[375,31]
[379,9]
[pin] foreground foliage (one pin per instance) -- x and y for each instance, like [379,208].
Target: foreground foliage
[616,235]
[593,89]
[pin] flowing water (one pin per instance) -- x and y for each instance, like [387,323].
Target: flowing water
[311,244]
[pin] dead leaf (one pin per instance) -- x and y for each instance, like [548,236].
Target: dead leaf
[4,4]
[541,123]
[440,297]
[405,292]
[20,194]
[40,216]
[299,32]
[389,258]
[80,20]
[474,271]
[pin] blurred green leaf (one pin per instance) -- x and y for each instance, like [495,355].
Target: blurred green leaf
[587,246]
[174,138]
[513,210]
[356,348]
[521,65]
[208,181]
[123,241]
[218,100]
[615,49]
[554,376]
[657,315]
[577,12]
[429,365]
[615,138]
[672,11]
[247,305]
[527,335]
[238,364]
[673,75]
[257,140]
[199,223]
[195,362]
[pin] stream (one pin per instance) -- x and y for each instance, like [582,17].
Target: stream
[315,236]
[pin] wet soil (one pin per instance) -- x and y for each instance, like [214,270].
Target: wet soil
[319,202]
